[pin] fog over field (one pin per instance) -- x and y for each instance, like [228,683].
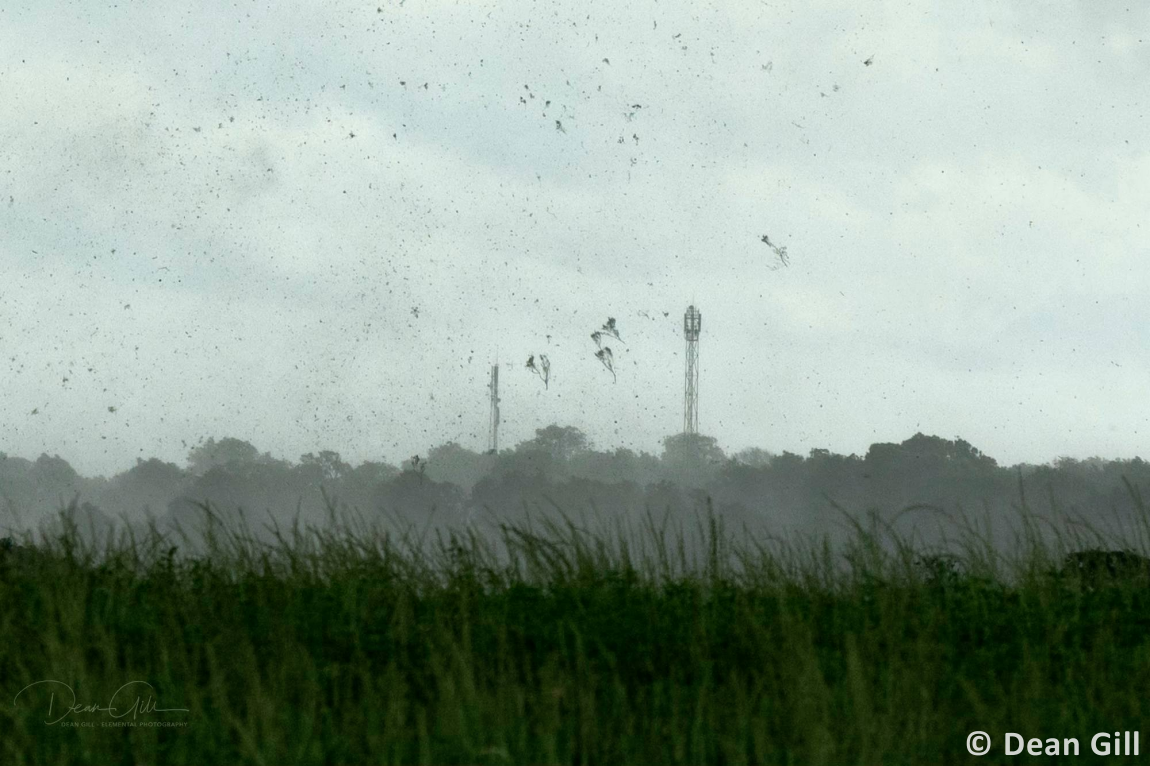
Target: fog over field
[939,495]
[315,225]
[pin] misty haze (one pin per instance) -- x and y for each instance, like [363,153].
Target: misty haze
[928,488]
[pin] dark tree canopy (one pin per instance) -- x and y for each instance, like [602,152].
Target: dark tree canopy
[562,443]
[203,457]
[559,469]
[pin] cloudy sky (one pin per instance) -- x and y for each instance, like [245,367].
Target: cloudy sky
[315,224]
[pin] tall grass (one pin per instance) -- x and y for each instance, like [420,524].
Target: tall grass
[551,642]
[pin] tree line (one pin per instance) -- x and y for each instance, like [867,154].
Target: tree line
[925,480]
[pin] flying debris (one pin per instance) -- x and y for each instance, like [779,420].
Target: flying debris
[559,127]
[869,61]
[605,356]
[543,369]
[609,329]
[780,253]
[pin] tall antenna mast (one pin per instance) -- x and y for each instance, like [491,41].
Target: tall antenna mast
[493,431]
[692,323]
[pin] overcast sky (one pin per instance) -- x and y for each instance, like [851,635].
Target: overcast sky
[316,224]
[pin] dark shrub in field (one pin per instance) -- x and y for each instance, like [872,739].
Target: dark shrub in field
[13,555]
[1096,567]
[939,569]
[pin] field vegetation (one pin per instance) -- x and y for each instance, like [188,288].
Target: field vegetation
[558,640]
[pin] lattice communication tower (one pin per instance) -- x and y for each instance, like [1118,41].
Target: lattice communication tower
[493,429]
[692,323]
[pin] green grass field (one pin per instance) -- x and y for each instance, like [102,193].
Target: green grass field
[636,647]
